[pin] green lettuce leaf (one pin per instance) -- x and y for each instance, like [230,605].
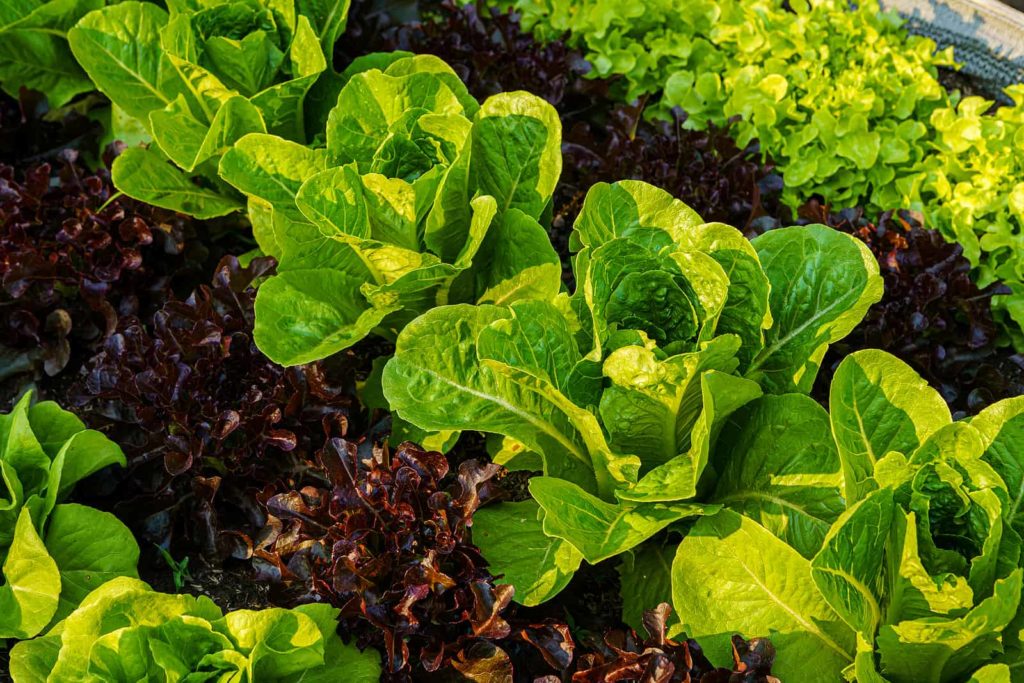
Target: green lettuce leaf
[848,568]
[32,585]
[85,564]
[822,284]
[34,50]
[679,477]
[879,404]
[777,464]
[732,575]
[600,530]
[123,631]
[511,538]
[49,552]
[437,381]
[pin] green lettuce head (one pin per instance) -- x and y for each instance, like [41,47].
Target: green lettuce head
[646,417]
[924,565]
[124,632]
[193,79]
[47,550]
[915,576]
[422,197]
[954,565]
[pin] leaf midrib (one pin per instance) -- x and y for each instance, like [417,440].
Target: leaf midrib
[810,627]
[542,425]
[781,502]
[133,74]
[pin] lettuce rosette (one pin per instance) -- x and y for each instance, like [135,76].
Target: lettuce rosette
[941,510]
[918,579]
[193,79]
[125,632]
[420,197]
[47,551]
[620,392]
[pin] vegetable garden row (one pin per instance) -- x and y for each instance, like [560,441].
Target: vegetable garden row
[529,340]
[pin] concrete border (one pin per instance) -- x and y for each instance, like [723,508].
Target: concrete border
[987,36]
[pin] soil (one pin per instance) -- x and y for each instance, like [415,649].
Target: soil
[951,80]
[591,603]
[232,586]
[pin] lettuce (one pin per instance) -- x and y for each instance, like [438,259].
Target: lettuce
[925,564]
[47,553]
[838,95]
[622,389]
[879,541]
[421,197]
[198,78]
[123,631]
[971,187]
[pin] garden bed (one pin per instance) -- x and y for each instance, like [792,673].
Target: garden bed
[530,360]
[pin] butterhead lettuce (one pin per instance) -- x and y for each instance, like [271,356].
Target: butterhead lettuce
[47,551]
[125,632]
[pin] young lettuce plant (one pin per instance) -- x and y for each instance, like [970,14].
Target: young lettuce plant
[47,550]
[422,197]
[619,391]
[125,632]
[925,565]
[196,79]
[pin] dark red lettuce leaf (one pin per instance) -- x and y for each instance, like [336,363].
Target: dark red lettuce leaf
[74,259]
[76,256]
[626,656]
[388,543]
[205,419]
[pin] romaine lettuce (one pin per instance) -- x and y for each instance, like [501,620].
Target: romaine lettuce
[197,78]
[625,388]
[421,197]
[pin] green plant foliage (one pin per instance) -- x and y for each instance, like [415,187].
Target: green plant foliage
[48,552]
[421,197]
[924,565]
[199,77]
[623,390]
[971,186]
[34,50]
[881,542]
[839,96]
[124,632]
